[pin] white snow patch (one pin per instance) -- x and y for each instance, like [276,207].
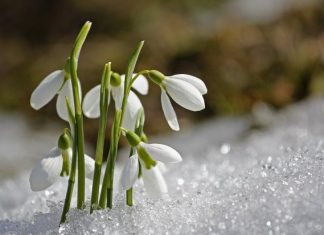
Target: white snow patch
[231,181]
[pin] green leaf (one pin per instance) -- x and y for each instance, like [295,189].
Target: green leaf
[80,39]
[104,88]
[131,65]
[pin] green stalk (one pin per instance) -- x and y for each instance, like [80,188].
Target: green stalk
[106,196]
[69,192]
[78,112]
[137,75]
[107,180]
[104,103]
[139,126]
[129,192]
[129,197]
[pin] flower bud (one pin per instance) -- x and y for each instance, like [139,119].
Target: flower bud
[115,79]
[64,141]
[132,138]
[156,76]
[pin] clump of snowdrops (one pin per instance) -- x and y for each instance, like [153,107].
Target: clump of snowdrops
[68,158]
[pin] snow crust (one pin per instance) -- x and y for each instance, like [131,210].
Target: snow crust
[233,180]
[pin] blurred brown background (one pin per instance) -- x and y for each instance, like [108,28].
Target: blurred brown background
[245,51]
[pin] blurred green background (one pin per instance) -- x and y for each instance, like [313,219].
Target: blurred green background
[245,51]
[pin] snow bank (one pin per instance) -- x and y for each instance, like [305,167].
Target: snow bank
[232,181]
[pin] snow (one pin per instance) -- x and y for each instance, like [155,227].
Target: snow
[233,180]
[264,11]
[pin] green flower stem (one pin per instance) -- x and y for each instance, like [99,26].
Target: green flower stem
[106,192]
[106,197]
[78,112]
[129,197]
[104,103]
[69,192]
[129,192]
[137,75]
[139,131]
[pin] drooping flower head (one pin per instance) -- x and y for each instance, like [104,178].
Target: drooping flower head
[91,103]
[57,82]
[146,158]
[186,90]
[55,164]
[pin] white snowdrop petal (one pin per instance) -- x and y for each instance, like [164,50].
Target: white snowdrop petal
[130,172]
[122,79]
[66,91]
[185,94]
[196,82]
[47,89]
[91,103]
[169,112]
[154,182]
[133,106]
[47,171]
[89,166]
[61,108]
[117,94]
[162,167]
[162,153]
[141,84]
[128,121]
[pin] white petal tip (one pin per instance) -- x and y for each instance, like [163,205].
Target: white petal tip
[169,112]
[34,106]
[175,128]
[90,115]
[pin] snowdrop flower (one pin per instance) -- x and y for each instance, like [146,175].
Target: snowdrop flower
[184,89]
[54,83]
[55,164]
[91,102]
[146,159]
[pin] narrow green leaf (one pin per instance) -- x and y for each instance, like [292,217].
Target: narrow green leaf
[80,39]
[104,103]
[132,63]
